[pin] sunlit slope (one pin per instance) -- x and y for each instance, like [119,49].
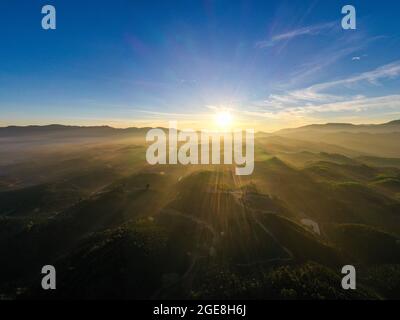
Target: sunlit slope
[374,140]
[325,195]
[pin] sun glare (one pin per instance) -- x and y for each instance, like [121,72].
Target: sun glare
[223,119]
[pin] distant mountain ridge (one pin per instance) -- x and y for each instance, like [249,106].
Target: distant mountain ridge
[84,131]
[370,139]
[66,130]
[392,126]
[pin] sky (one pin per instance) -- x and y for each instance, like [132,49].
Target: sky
[270,64]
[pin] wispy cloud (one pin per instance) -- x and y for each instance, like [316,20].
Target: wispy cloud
[309,30]
[347,45]
[317,93]
[388,71]
[316,99]
[353,104]
[319,62]
[171,114]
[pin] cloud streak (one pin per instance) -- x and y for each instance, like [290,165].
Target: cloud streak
[354,104]
[388,71]
[309,30]
[317,93]
[315,100]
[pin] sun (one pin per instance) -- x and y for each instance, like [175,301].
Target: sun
[223,119]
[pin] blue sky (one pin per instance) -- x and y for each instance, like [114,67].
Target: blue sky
[272,64]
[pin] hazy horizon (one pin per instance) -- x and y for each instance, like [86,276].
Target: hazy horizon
[184,128]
